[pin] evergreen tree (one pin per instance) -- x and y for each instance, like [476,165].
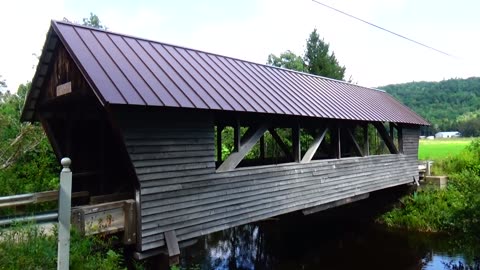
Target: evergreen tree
[318,59]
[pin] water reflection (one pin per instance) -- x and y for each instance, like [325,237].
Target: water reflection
[339,239]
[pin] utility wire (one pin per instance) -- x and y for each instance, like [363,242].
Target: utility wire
[381,28]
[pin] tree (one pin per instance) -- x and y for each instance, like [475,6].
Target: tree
[93,21]
[287,60]
[318,59]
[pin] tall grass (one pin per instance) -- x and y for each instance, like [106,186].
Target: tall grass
[30,247]
[455,209]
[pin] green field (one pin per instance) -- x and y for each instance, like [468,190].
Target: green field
[441,148]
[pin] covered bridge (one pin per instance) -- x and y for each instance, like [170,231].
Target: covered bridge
[189,134]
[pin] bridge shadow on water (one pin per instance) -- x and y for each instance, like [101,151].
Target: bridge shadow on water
[341,238]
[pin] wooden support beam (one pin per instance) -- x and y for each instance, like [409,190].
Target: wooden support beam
[314,146]
[219,142]
[172,243]
[262,147]
[329,205]
[337,150]
[385,137]
[280,143]
[356,147]
[400,139]
[236,136]
[391,125]
[297,152]
[250,138]
[366,141]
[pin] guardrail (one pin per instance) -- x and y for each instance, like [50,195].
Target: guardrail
[103,217]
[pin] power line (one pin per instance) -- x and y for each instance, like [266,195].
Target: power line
[381,28]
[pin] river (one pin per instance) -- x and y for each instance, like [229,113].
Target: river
[341,238]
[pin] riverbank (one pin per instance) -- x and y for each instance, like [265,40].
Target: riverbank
[454,210]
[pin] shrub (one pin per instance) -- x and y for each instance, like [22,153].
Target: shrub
[30,247]
[454,209]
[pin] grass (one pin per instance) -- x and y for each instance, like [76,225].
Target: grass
[439,149]
[455,209]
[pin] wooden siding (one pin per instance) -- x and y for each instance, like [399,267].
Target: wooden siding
[180,189]
[410,141]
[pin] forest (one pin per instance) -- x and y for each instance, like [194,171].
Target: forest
[449,105]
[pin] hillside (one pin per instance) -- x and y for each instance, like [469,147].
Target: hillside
[452,104]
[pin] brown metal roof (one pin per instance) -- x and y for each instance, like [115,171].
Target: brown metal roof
[128,70]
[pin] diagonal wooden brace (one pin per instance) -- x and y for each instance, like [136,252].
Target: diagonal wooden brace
[247,142]
[385,137]
[314,146]
[354,141]
[280,143]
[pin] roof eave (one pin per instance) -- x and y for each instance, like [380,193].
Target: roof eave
[38,81]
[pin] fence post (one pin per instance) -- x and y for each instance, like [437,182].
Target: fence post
[64,213]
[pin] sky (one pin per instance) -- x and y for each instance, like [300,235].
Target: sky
[253,29]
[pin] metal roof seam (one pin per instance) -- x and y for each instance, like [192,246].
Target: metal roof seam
[156,47]
[174,98]
[296,88]
[207,61]
[100,65]
[204,79]
[292,90]
[246,88]
[314,92]
[108,52]
[229,79]
[136,68]
[271,93]
[77,61]
[252,85]
[121,67]
[145,43]
[210,80]
[345,99]
[299,105]
[332,101]
[184,73]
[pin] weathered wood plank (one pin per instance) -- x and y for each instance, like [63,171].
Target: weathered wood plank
[239,199]
[314,146]
[172,243]
[333,204]
[272,169]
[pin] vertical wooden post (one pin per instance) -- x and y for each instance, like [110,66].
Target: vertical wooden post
[236,136]
[219,143]
[400,139]
[391,130]
[64,213]
[262,147]
[366,146]
[337,142]
[297,152]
